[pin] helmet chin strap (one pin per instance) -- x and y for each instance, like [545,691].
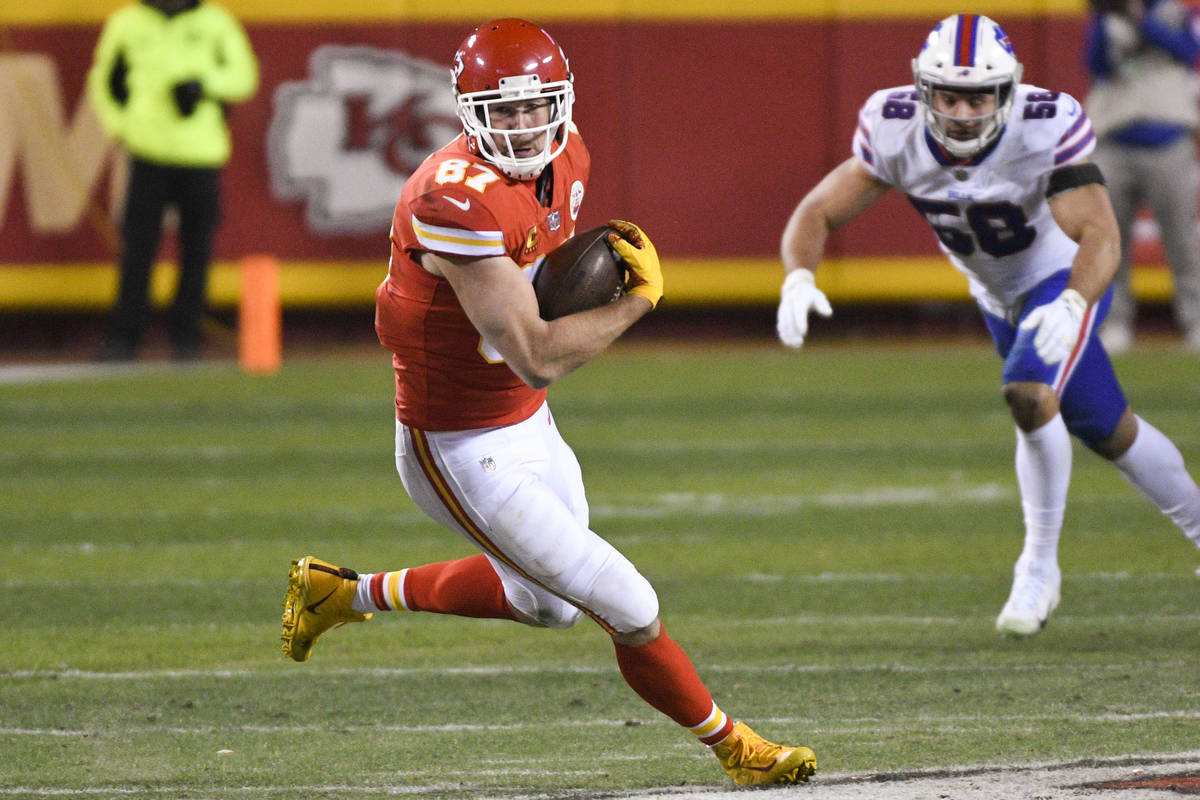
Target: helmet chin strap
[964,153]
[965,148]
[504,156]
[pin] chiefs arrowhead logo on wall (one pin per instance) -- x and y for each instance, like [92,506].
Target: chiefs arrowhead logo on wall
[345,140]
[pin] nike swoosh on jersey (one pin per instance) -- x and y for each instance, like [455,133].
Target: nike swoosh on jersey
[465,205]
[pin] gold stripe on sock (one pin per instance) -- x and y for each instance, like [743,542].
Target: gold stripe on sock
[393,586]
[711,725]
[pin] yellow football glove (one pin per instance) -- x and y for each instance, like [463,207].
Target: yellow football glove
[634,246]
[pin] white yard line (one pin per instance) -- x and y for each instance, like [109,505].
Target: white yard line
[556,669]
[286,673]
[714,503]
[661,506]
[222,791]
[1069,780]
[962,723]
[21,374]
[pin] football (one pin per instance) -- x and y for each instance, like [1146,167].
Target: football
[583,272]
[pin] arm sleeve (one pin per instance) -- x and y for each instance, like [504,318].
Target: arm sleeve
[233,76]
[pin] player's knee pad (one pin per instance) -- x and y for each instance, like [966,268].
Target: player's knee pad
[620,595]
[601,581]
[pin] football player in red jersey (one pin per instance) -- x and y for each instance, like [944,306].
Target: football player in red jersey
[476,445]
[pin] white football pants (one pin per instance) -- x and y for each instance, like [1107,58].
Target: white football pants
[517,493]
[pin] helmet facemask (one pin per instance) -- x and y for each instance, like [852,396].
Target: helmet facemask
[990,124]
[476,111]
[970,54]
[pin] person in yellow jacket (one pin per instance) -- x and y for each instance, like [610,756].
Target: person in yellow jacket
[164,74]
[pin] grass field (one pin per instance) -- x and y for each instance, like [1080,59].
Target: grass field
[831,534]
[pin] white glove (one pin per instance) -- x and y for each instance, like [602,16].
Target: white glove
[798,297]
[1058,325]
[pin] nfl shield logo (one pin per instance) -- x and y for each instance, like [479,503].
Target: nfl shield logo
[554,221]
[488,464]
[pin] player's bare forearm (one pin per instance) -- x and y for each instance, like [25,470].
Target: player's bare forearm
[1094,266]
[500,302]
[1085,214]
[804,239]
[541,352]
[575,339]
[842,195]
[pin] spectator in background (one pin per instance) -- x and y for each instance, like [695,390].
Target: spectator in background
[1142,105]
[164,74]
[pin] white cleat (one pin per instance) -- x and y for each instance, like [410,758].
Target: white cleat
[1034,595]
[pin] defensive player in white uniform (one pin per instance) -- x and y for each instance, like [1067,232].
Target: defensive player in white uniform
[999,170]
[476,445]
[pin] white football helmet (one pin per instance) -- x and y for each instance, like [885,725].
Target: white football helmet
[503,62]
[967,53]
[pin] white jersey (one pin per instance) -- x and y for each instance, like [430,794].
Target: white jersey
[989,212]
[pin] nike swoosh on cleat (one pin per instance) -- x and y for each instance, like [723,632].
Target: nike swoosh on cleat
[465,205]
[312,607]
[770,766]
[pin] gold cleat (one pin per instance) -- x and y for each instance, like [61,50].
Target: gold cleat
[318,598]
[752,760]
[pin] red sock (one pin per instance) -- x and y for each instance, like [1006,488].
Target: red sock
[468,587]
[662,674]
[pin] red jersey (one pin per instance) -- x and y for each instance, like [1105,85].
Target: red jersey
[457,204]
